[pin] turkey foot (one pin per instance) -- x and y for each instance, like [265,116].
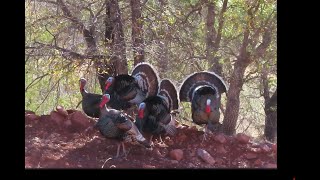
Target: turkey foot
[161,143]
[124,154]
[205,134]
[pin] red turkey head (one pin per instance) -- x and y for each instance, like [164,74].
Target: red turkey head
[83,82]
[141,110]
[208,108]
[109,82]
[105,99]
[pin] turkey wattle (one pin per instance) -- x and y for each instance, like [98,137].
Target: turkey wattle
[142,83]
[114,124]
[154,114]
[203,90]
[90,102]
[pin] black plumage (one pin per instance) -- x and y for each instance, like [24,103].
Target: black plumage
[134,88]
[90,101]
[154,115]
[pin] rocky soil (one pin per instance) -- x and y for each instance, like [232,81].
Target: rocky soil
[64,139]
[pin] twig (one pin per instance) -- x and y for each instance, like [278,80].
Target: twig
[48,93]
[38,78]
[105,162]
[78,104]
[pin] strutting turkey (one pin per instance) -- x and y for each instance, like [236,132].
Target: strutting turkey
[142,83]
[203,90]
[90,101]
[154,113]
[114,124]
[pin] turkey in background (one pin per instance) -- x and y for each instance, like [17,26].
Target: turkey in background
[142,83]
[90,101]
[203,90]
[154,113]
[114,124]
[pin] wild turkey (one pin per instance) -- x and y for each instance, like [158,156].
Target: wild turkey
[90,101]
[114,124]
[134,88]
[154,114]
[203,90]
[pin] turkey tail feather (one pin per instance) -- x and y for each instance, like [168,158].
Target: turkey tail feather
[168,90]
[199,79]
[148,78]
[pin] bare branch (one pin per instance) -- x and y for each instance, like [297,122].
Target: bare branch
[91,44]
[33,81]
[47,1]
[67,53]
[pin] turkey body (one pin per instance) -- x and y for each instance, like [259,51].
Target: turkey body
[203,90]
[90,104]
[129,90]
[116,125]
[154,114]
[198,107]
[156,117]
[90,101]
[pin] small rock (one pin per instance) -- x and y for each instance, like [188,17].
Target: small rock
[67,164]
[32,117]
[204,155]
[255,150]
[62,111]
[221,149]
[251,155]
[220,138]
[242,138]
[265,148]
[257,162]
[56,117]
[112,166]
[270,165]
[176,154]
[148,166]
[79,119]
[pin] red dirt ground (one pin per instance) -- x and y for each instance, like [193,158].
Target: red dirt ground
[48,145]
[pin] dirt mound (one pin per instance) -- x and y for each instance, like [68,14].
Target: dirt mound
[67,144]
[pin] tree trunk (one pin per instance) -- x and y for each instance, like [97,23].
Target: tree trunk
[213,37]
[210,39]
[114,41]
[233,103]
[270,130]
[137,32]
[118,55]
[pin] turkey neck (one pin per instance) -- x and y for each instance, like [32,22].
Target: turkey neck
[83,91]
[106,111]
